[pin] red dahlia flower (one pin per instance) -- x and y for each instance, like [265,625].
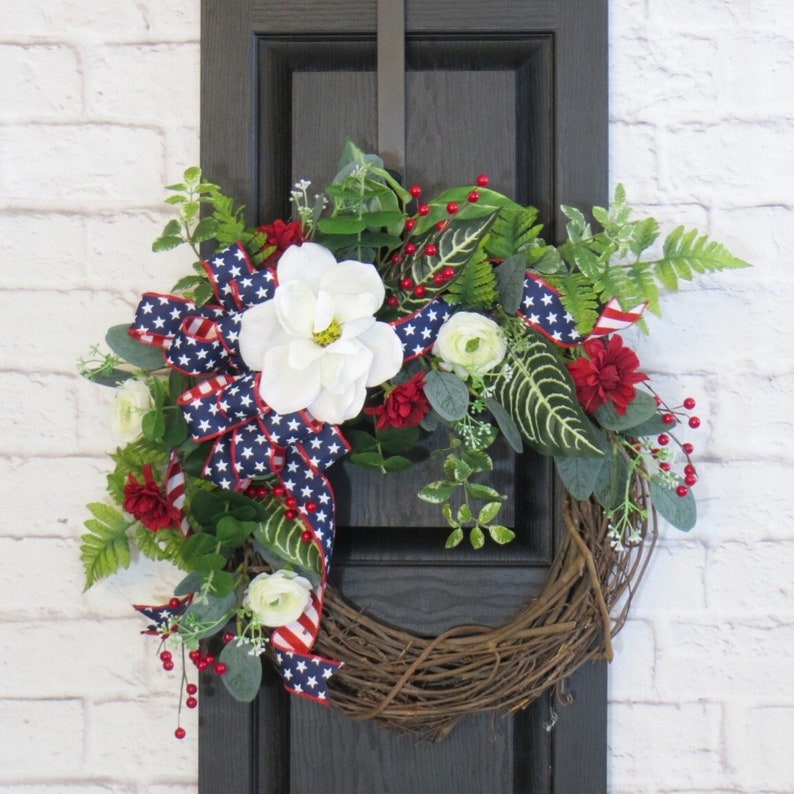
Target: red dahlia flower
[146,502]
[282,235]
[608,374]
[405,405]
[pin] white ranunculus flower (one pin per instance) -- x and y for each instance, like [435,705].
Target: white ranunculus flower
[317,342]
[470,344]
[133,400]
[278,598]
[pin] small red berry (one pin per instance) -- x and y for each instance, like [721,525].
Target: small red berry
[438,279]
[262,492]
[482,180]
[180,733]
[306,536]
[202,664]
[690,479]
[448,272]
[166,656]
[406,283]
[688,448]
[174,628]
[173,602]
[291,501]
[410,249]
[311,507]
[473,197]
[415,191]
[168,665]
[220,668]
[689,403]
[228,636]
[396,259]
[290,514]
[452,207]
[431,250]
[191,702]
[191,689]
[664,466]
[410,223]
[194,656]
[419,291]
[441,225]
[657,399]
[423,209]
[663,439]
[689,469]
[392,301]
[209,658]
[682,491]
[279,491]
[694,422]
[668,419]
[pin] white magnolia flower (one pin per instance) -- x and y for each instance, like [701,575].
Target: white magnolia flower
[470,344]
[317,342]
[278,598]
[132,401]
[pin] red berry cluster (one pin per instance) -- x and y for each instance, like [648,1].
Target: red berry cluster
[670,416]
[429,249]
[278,491]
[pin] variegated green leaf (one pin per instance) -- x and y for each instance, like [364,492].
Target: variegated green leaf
[283,537]
[540,396]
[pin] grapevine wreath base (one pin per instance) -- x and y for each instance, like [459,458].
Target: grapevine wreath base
[424,685]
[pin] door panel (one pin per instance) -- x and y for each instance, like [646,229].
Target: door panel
[513,89]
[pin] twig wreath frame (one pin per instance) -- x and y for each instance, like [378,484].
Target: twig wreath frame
[371,319]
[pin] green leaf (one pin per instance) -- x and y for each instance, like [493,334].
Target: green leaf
[488,512]
[207,508]
[579,475]
[175,431]
[243,675]
[369,460]
[680,511]
[395,440]
[475,287]
[210,614]
[207,229]
[190,584]
[650,427]
[477,490]
[192,175]
[396,463]
[541,398]
[203,293]
[233,533]
[639,410]
[165,544]
[166,243]
[341,225]
[447,394]
[510,278]
[283,537]
[437,492]
[361,441]
[477,459]
[697,252]
[506,424]
[500,534]
[611,484]
[454,538]
[464,514]
[105,547]
[132,351]
[476,538]
[514,230]
[153,425]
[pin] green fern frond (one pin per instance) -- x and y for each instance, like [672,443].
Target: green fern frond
[475,288]
[579,299]
[105,547]
[685,250]
[165,544]
[514,230]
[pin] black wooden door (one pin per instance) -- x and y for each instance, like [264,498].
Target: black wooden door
[512,88]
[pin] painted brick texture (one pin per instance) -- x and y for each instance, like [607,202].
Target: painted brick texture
[702,107]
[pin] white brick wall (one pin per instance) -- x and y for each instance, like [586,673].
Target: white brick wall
[702,106]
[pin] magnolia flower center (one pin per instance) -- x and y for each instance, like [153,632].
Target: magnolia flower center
[329,335]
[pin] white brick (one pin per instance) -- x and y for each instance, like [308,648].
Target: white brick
[29,89]
[74,166]
[139,735]
[65,787]
[38,729]
[40,416]
[153,84]
[634,160]
[686,732]
[767,734]
[37,19]
[632,670]
[174,20]
[728,164]
[766,589]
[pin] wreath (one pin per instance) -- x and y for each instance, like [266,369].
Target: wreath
[365,323]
